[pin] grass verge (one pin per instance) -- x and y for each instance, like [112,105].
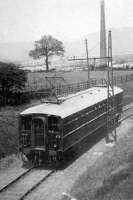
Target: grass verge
[9,161]
[111,177]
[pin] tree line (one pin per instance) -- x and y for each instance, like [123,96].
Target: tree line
[12,83]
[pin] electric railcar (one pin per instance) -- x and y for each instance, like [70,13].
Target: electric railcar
[48,130]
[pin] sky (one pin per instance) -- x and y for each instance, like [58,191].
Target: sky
[28,20]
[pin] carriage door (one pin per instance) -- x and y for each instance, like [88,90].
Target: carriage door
[39,131]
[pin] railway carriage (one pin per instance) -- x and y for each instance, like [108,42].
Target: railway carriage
[48,130]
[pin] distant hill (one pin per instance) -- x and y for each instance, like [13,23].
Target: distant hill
[122,44]
[15,52]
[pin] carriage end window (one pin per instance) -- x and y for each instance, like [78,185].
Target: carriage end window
[53,123]
[26,123]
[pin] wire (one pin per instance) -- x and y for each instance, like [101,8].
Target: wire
[90,50]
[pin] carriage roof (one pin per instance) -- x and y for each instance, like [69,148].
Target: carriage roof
[72,103]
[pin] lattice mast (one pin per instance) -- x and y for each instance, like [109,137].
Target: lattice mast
[111,111]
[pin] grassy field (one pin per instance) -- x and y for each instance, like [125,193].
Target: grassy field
[72,77]
[38,79]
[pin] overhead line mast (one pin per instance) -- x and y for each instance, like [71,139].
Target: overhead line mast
[111,111]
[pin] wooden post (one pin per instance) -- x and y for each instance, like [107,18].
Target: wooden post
[87,58]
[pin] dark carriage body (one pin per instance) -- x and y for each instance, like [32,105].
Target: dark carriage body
[51,129]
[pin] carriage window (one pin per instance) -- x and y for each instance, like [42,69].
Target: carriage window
[53,123]
[101,105]
[26,123]
[26,140]
[95,107]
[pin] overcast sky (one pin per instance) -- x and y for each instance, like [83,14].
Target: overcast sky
[27,20]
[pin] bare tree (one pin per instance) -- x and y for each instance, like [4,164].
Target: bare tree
[47,47]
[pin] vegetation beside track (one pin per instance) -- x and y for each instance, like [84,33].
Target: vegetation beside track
[9,129]
[111,176]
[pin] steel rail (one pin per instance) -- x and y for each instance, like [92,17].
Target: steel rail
[125,109]
[15,180]
[11,184]
[36,185]
[128,116]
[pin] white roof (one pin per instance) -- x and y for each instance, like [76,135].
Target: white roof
[73,103]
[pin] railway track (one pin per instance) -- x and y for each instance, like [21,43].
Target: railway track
[23,185]
[127,112]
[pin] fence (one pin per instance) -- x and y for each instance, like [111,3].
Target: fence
[41,91]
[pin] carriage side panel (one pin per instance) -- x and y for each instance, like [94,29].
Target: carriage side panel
[84,124]
[81,124]
[74,121]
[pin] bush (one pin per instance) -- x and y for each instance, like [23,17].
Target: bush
[12,82]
